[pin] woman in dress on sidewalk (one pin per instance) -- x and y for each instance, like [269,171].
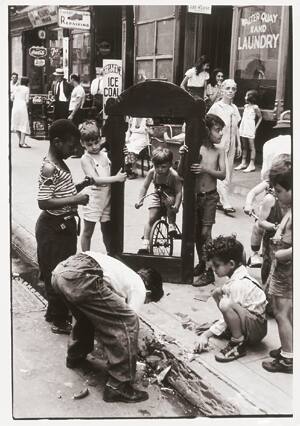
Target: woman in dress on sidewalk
[19,114]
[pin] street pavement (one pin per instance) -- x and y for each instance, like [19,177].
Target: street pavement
[243,382]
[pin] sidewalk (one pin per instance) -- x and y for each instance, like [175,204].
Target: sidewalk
[243,382]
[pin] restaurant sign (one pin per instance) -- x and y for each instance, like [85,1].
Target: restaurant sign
[76,19]
[38,51]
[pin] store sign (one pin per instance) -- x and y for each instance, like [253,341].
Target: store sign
[43,15]
[259,30]
[112,79]
[38,51]
[77,19]
[39,62]
[197,8]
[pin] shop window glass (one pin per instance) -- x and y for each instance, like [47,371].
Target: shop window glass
[154,12]
[164,69]
[257,53]
[145,68]
[145,37]
[81,56]
[165,37]
[55,37]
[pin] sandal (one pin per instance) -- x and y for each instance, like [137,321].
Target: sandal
[24,145]
[229,210]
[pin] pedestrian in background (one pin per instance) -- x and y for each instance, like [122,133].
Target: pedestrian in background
[95,164]
[14,83]
[229,113]
[75,108]
[56,231]
[61,90]
[214,88]
[97,89]
[248,129]
[196,78]
[19,113]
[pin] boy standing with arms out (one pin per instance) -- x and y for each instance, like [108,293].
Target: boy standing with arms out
[166,180]
[241,301]
[56,232]
[95,164]
[211,166]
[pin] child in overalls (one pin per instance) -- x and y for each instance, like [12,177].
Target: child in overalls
[96,164]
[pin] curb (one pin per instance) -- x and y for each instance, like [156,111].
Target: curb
[186,377]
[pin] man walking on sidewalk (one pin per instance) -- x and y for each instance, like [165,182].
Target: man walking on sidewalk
[104,294]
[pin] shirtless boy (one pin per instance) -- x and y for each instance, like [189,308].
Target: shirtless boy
[209,168]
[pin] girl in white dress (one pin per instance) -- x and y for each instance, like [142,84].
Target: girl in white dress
[248,129]
[19,113]
[196,78]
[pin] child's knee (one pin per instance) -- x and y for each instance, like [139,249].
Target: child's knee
[225,304]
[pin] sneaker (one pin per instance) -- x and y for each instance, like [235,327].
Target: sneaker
[232,351]
[279,365]
[249,169]
[275,353]
[207,277]
[255,261]
[61,327]
[124,393]
[240,166]
[199,269]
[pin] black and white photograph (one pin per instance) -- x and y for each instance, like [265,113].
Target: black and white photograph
[175,124]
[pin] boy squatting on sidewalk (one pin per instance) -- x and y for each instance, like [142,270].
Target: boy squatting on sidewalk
[105,295]
[209,168]
[95,164]
[55,231]
[241,301]
[166,180]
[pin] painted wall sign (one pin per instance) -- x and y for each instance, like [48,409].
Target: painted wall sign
[77,19]
[197,8]
[39,62]
[38,51]
[112,79]
[42,34]
[43,15]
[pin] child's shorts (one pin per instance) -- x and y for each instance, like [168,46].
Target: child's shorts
[281,280]
[206,204]
[154,201]
[254,327]
[98,207]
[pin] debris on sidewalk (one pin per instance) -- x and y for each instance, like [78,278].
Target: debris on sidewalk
[82,394]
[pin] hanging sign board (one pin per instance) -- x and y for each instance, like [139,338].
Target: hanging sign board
[76,19]
[112,79]
[38,51]
[197,8]
[39,62]
[43,15]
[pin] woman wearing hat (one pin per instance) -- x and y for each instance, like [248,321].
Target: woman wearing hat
[61,90]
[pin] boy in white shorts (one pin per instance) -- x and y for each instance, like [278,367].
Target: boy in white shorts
[96,164]
[241,301]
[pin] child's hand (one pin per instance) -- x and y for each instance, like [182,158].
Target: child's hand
[238,151]
[125,150]
[82,199]
[248,209]
[202,344]
[197,169]
[88,180]
[138,205]
[174,208]
[121,176]
[183,149]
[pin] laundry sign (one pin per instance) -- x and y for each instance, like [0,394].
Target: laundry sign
[76,19]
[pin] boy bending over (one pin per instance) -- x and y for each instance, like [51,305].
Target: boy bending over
[241,300]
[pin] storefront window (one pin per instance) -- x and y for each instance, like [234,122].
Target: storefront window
[153,12]
[257,53]
[81,55]
[55,49]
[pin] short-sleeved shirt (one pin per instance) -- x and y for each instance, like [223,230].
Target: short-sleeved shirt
[77,95]
[195,80]
[282,144]
[59,185]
